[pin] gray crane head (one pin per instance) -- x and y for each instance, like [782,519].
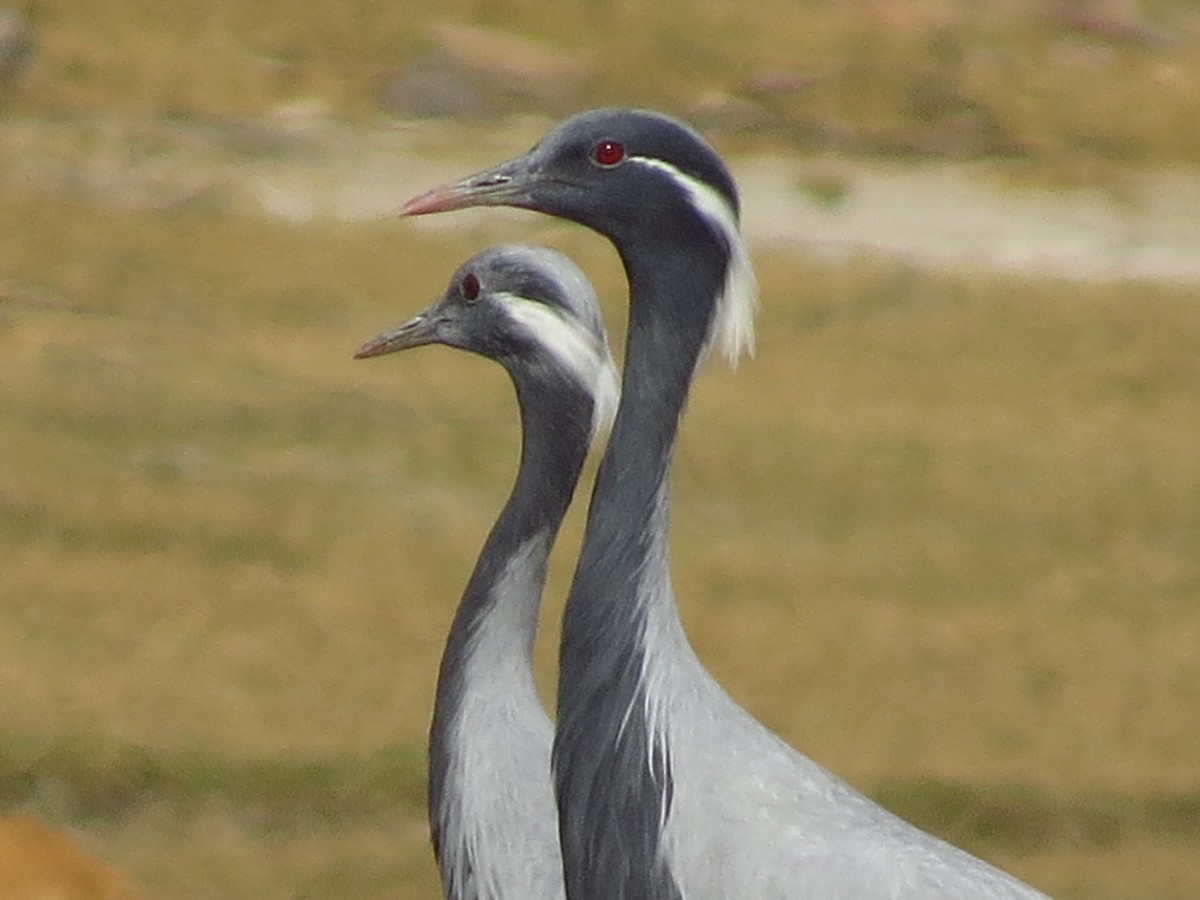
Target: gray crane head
[642,179]
[604,168]
[528,308]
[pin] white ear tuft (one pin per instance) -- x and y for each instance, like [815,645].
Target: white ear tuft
[732,326]
[574,348]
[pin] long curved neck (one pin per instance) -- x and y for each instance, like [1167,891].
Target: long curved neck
[613,785]
[492,634]
[555,433]
[625,536]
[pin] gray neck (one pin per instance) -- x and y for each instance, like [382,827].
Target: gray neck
[494,627]
[613,785]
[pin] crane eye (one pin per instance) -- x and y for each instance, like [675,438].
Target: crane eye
[470,288]
[608,153]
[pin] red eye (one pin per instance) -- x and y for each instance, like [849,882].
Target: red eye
[470,287]
[608,153]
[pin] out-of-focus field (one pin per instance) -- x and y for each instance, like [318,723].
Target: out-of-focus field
[1073,84]
[943,533]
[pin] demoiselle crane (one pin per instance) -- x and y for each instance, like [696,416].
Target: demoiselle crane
[666,788]
[491,803]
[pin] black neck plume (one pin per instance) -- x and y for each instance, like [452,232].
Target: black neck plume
[613,785]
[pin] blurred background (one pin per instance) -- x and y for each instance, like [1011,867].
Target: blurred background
[942,534]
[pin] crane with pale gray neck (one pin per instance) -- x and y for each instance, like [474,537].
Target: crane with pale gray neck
[491,804]
[667,789]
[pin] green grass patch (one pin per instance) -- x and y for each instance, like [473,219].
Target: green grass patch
[88,780]
[1027,820]
[91,781]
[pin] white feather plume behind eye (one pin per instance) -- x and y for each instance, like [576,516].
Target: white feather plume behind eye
[575,349]
[733,325]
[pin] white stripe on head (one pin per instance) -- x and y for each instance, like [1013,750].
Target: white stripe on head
[575,350]
[733,325]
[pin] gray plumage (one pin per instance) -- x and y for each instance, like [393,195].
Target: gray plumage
[491,805]
[666,788]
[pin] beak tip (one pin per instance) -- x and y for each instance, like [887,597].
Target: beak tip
[369,349]
[438,200]
[410,208]
[504,185]
[416,332]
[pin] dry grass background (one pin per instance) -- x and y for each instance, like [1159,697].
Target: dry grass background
[1008,76]
[942,533]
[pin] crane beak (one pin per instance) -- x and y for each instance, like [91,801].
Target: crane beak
[418,331]
[505,185]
